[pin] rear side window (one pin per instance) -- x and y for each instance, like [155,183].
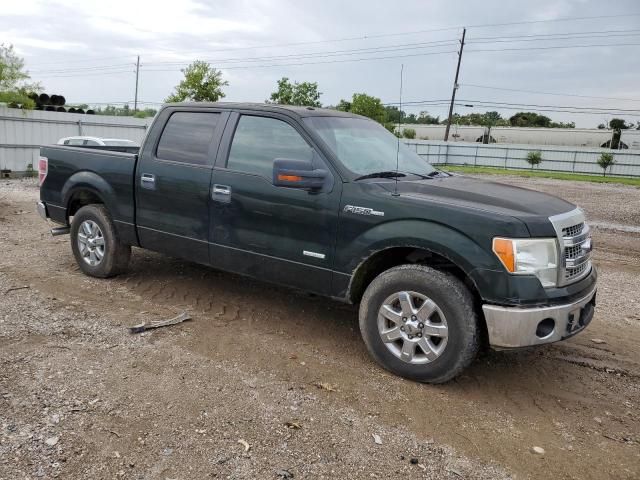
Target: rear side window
[258,141]
[187,136]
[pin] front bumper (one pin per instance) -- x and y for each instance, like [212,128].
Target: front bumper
[511,327]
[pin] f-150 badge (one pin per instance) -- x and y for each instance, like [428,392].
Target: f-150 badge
[362,211]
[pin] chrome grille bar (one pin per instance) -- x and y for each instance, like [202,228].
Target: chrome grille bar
[574,241]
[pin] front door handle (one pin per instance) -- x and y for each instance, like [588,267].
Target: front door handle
[221,190]
[148,180]
[221,193]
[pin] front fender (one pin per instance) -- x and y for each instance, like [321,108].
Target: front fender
[457,247]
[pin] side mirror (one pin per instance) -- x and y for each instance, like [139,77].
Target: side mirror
[297,174]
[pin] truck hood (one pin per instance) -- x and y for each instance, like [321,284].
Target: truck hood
[527,205]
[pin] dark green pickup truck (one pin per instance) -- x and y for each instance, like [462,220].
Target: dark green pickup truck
[330,203]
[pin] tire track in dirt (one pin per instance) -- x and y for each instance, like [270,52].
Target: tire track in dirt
[505,403]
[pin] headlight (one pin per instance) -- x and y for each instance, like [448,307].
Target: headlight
[533,256]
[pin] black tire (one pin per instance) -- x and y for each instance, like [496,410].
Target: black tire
[454,301]
[116,254]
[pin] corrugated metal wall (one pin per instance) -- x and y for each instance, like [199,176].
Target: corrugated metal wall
[23,132]
[560,159]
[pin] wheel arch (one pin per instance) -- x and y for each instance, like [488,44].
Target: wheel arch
[389,257]
[392,256]
[85,188]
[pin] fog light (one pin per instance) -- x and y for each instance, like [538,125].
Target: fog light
[545,328]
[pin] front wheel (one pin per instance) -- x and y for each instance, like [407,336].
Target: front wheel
[420,323]
[95,243]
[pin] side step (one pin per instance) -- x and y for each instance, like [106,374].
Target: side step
[60,231]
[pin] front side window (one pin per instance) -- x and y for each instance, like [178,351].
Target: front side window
[187,136]
[258,141]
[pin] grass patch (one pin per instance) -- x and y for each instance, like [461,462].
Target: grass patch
[576,177]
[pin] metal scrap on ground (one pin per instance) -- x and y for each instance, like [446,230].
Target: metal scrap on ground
[160,323]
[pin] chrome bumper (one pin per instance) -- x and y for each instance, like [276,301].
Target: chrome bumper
[511,327]
[42,210]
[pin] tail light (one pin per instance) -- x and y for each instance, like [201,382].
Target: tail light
[43,169]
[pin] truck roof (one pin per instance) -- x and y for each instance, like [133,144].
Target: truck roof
[269,107]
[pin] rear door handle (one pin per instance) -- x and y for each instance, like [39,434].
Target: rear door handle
[148,180]
[221,193]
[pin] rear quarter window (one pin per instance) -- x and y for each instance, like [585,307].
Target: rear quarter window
[187,136]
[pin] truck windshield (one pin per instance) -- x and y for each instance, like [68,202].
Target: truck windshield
[365,147]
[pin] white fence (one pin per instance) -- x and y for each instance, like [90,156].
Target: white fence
[23,132]
[570,137]
[559,159]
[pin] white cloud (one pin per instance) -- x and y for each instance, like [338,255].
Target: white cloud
[63,34]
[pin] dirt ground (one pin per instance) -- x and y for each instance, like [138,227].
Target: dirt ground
[268,383]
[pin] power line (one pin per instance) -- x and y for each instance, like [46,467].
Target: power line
[538,109]
[367,36]
[89,74]
[552,106]
[80,69]
[381,49]
[520,106]
[516,39]
[554,34]
[233,67]
[548,93]
[82,60]
[554,47]
[562,19]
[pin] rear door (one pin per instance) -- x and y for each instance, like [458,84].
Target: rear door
[173,179]
[280,234]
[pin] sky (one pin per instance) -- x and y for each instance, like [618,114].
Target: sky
[86,50]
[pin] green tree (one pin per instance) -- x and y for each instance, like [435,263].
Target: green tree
[394,115]
[605,161]
[409,133]
[14,89]
[304,94]
[534,158]
[343,106]
[201,83]
[529,119]
[425,119]
[617,125]
[368,106]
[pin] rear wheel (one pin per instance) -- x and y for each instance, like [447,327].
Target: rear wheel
[95,243]
[419,323]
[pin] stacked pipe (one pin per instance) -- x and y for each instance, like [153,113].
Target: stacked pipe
[52,103]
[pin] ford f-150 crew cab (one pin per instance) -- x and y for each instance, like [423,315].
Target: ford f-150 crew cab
[332,203]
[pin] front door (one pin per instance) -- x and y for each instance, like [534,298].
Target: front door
[173,180]
[281,234]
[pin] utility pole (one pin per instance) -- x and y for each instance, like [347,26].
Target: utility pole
[455,86]
[135,101]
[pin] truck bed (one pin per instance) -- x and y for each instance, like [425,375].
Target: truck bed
[107,173]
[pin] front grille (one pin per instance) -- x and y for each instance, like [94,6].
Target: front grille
[576,256]
[573,230]
[573,252]
[577,272]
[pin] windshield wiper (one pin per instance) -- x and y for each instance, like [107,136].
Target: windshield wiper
[438,173]
[385,174]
